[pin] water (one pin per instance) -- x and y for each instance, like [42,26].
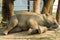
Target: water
[22,5]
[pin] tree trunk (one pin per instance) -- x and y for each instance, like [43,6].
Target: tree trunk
[48,6]
[7,9]
[36,6]
[58,13]
[28,5]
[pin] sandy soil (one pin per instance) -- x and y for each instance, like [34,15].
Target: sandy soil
[49,35]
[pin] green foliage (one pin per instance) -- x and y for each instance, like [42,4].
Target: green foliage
[0,17]
[45,38]
[0,2]
[54,14]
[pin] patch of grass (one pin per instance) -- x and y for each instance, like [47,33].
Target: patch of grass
[42,38]
[0,20]
[45,38]
[54,14]
[0,16]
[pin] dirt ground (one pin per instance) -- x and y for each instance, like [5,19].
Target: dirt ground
[49,35]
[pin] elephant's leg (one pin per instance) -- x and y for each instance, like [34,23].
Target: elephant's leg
[34,27]
[16,29]
[13,22]
[43,28]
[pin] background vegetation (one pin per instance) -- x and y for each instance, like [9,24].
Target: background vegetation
[0,2]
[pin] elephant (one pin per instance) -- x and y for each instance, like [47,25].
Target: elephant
[31,22]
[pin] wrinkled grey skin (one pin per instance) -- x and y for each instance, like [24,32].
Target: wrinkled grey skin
[26,20]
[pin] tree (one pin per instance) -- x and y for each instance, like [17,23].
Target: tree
[7,9]
[58,12]
[47,7]
[36,6]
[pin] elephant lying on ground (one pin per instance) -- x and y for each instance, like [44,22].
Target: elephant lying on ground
[29,21]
